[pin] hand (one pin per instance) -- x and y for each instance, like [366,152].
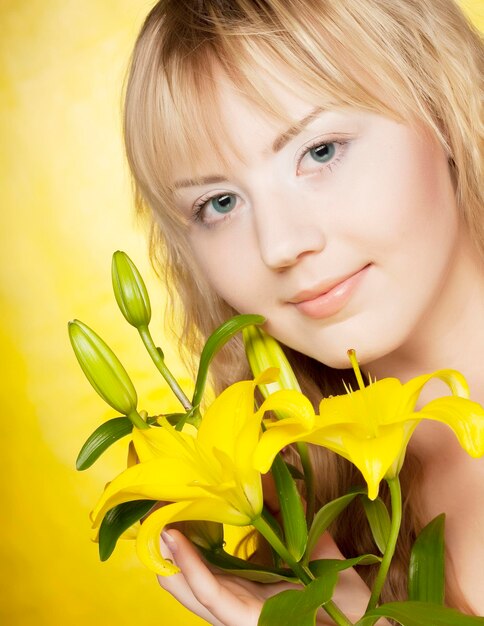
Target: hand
[220,599]
[226,600]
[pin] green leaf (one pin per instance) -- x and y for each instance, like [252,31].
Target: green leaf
[379,520]
[206,535]
[326,515]
[292,607]
[426,577]
[323,567]
[263,576]
[101,439]
[292,511]
[276,528]
[216,341]
[176,418]
[117,520]
[251,571]
[420,614]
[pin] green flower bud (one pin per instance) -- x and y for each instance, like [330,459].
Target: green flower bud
[103,368]
[130,290]
[263,351]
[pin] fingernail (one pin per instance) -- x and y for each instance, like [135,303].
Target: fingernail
[169,541]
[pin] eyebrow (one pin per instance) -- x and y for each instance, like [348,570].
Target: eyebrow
[279,143]
[294,130]
[195,182]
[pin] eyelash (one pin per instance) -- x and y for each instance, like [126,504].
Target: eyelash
[316,143]
[200,204]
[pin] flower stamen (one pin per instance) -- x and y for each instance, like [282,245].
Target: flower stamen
[356,368]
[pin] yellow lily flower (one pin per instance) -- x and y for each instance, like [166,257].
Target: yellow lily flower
[371,427]
[206,475]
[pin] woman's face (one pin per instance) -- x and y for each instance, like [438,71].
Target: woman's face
[341,230]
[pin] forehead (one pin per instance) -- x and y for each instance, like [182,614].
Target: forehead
[232,120]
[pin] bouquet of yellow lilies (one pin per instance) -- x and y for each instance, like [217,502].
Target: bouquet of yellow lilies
[208,466]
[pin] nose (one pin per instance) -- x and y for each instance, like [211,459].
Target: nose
[288,227]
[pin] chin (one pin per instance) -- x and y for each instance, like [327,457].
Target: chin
[369,347]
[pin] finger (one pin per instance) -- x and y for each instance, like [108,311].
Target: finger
[232,609]
[178,587]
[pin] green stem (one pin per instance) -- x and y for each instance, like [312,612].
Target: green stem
[308,471]
[160,364]
[396,500]
[302,572]
[137,420]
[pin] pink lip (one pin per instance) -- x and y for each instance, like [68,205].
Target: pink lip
[328,301]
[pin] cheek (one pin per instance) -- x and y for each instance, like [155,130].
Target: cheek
[229,264]
[408,211]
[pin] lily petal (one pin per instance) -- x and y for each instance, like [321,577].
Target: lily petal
[159,479]
[452,378]
[164,441]
[148,541]
[293,403]
[225,418]
[372,456]
[465,417]
[354,407]
[275,439]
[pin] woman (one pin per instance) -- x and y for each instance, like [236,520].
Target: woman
[320,163]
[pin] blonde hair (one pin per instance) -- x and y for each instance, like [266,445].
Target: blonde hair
[428,59]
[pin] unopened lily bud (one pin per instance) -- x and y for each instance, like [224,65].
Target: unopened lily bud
[130,290]
[103,368]
[263,352]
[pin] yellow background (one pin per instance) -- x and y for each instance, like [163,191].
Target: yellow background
[65,206]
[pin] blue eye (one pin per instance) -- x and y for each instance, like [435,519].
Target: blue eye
[321,156]
[214,208]
[224,203]
[323,153]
